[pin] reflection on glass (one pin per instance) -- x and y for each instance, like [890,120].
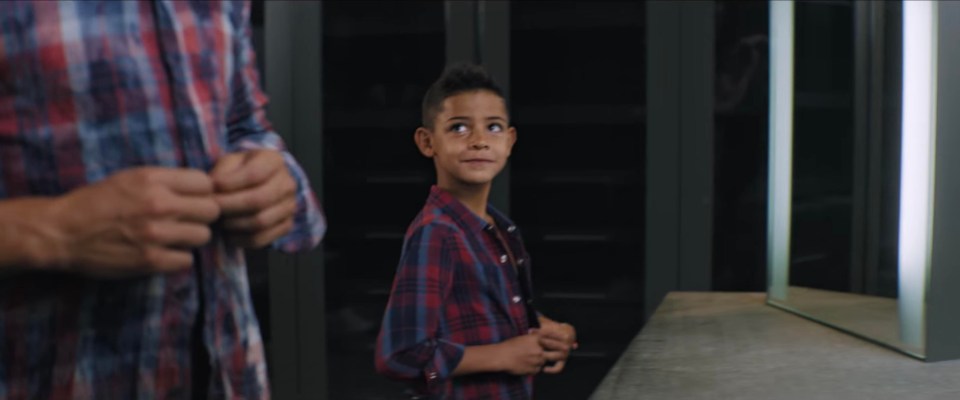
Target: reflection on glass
[916,193]
[838,181]
[781,132]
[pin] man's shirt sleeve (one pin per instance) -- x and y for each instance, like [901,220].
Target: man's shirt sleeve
[409,346]
[249,129]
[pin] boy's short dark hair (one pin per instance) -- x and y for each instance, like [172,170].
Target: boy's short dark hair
[456,79]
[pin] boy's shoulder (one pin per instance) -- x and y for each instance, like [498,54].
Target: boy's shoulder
[434,221]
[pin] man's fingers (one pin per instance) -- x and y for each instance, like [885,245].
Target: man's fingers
[227,165]
[257,167]
[196,209]
[180,180]
[175,234]
[264,238]
[258,198]
[162,259]
[264,219]
[267,237]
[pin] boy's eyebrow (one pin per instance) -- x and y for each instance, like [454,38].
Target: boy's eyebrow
[458,117]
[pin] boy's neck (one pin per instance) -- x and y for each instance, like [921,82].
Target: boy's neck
[474,197]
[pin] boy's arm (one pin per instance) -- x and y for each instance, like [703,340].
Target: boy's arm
[520,355]
[248,130]
[408,347]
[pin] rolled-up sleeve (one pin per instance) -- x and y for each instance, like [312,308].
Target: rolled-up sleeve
[409,346]
[249,129]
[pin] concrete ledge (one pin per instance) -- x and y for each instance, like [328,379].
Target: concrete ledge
[710,345]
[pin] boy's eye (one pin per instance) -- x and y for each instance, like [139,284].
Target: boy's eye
[458,128]
[496,128]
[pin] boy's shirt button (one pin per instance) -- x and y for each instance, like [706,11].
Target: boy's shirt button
[520,261]
[516,299]
[503,258]
[511,228]
[432,375]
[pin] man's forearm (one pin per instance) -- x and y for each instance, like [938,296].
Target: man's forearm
[27,238]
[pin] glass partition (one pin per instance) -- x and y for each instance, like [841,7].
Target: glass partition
[839,162]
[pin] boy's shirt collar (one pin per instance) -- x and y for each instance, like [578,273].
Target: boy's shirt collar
[464,217]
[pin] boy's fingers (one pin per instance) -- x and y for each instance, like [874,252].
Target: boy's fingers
[554,356]
[554,344]
[555,368]
[556,335]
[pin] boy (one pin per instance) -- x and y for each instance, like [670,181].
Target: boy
[460,323]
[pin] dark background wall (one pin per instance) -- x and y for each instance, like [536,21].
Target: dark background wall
[579,82]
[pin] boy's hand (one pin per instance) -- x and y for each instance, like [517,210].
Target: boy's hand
[257,196]
[522,355]
[557,339]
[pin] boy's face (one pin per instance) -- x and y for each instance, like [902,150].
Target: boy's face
[471,139]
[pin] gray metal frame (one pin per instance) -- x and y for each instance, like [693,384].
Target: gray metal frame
[679,209]
[293,80]
[478,32]
[942,297]
[493,51]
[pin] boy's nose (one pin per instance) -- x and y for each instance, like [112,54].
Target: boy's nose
[478,140]
[479,145]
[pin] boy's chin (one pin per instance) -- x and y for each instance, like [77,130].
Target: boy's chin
[475,179]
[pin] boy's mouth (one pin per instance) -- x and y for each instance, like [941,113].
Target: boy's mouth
[477,161]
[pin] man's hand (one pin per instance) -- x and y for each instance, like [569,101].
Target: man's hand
[141,220]
[257,196]
[557,339]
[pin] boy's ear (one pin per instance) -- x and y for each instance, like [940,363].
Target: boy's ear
[511,139]
[424,141]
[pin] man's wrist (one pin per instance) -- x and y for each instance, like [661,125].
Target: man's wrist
[39,234]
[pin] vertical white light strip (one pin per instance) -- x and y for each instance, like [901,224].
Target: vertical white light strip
[781,148]
[917,163]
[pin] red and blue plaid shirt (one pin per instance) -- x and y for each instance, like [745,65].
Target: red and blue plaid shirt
[456,286]
[89,88]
